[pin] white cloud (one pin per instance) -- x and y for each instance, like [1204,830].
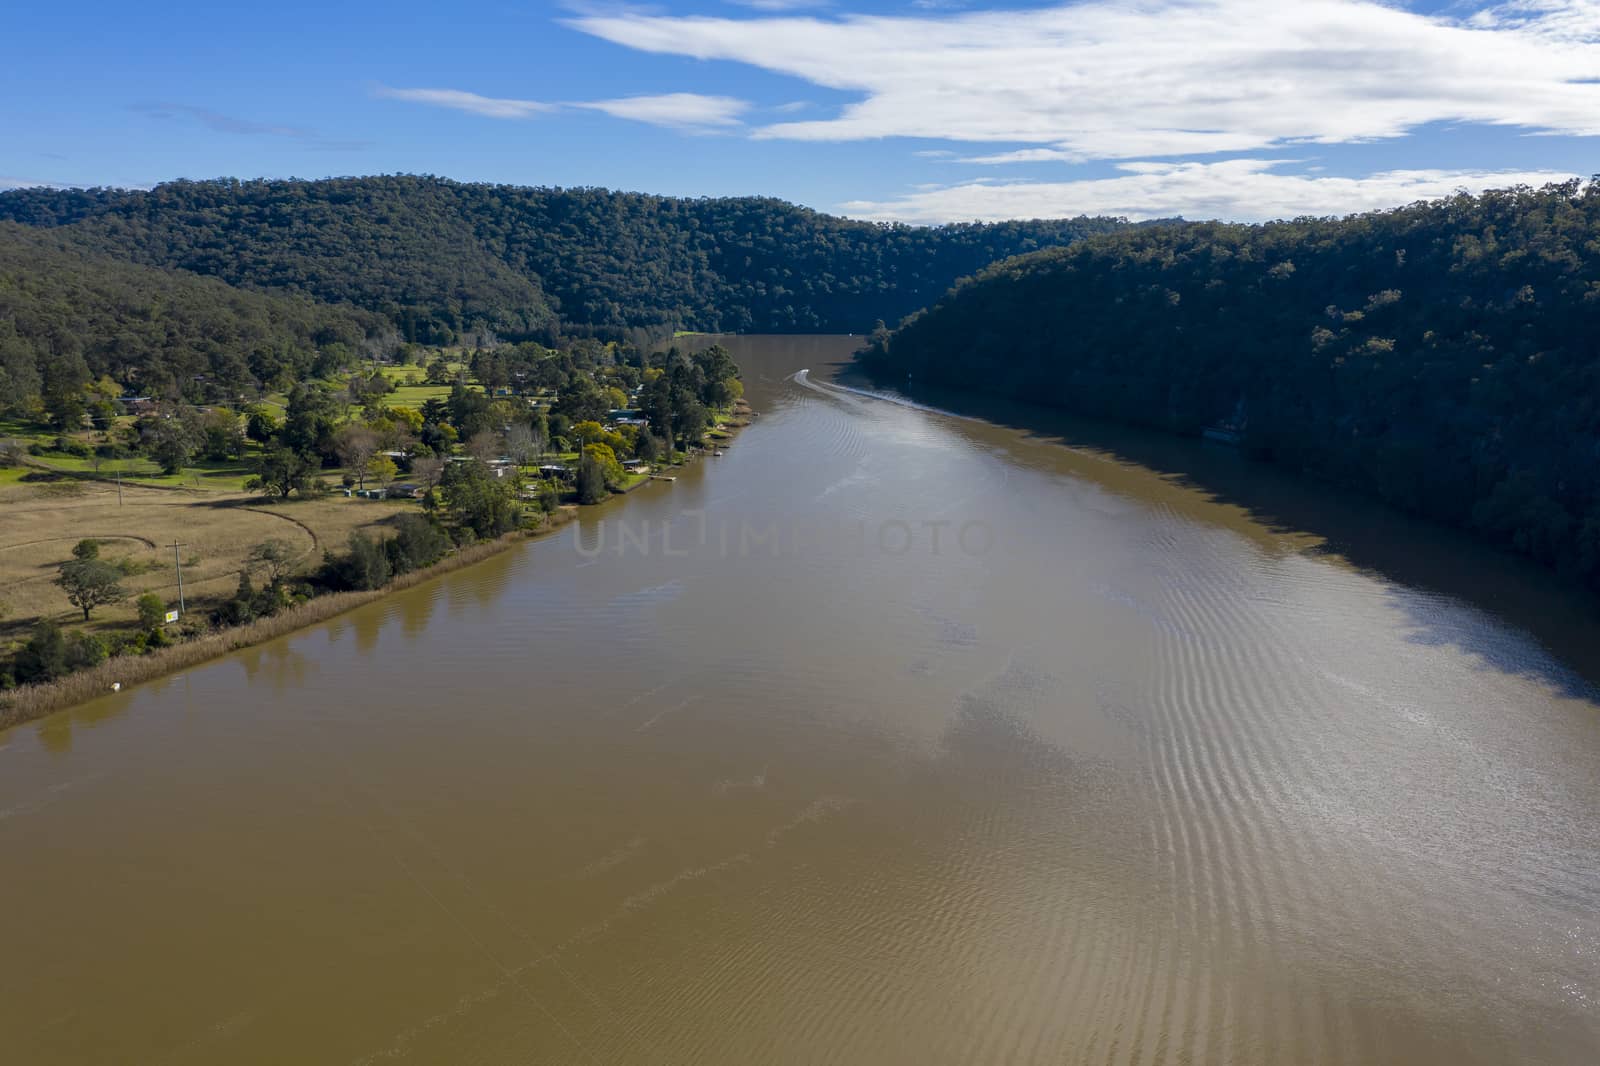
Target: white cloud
[687,111]
[781,5]
[10,182]
[1238,189]
[674,110]
[458,100]
[1023,155]
[1110,79]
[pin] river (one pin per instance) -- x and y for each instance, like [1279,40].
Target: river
[886,737]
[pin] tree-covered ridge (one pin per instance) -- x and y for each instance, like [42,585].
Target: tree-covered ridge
[441,258]
[414,258]
[1444,357]
[68,317]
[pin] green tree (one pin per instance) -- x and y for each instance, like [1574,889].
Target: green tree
[439,372]
[610,468]
[281,470]
[365,566]
[479,501]
[382,469]
[689,420]
[170,443]
[261,425]
[591,479]
[221,436]
[310,420]
[86,549]
[469,412]
[90,583]
[274,556]
[418,542]
[65,402]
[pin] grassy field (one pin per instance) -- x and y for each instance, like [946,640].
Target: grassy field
[417,395]
[201,475]
[39,524]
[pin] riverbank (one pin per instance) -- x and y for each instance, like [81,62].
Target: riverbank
[32,702]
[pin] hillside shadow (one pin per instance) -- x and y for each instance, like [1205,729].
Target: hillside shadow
[1410,555]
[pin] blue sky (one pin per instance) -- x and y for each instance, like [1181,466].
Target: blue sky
[922,110]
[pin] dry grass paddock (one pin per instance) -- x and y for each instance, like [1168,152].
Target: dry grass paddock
[35,701]
[39,524]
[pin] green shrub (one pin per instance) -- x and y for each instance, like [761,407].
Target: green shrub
[84,650]
[152,610]
[43,657]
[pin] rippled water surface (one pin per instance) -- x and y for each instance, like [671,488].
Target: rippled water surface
[887,737]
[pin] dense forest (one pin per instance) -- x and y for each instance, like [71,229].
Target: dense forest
[68,318]
[1444,357]
[440,258]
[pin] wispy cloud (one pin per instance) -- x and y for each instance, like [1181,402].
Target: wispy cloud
[472,103]
[688,111]
[781,5]
[1238,189]
[10,182]
[13,182]
[221,123]
[683,111]
[1106,79]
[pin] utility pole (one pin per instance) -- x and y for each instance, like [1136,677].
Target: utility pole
[119,484]
[178,562]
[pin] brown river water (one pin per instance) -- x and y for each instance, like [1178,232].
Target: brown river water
[887,737]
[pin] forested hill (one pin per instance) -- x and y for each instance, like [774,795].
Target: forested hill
[1444,357]
[68,318]
[440,258]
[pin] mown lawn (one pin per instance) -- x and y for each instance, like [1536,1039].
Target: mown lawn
[417,395]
